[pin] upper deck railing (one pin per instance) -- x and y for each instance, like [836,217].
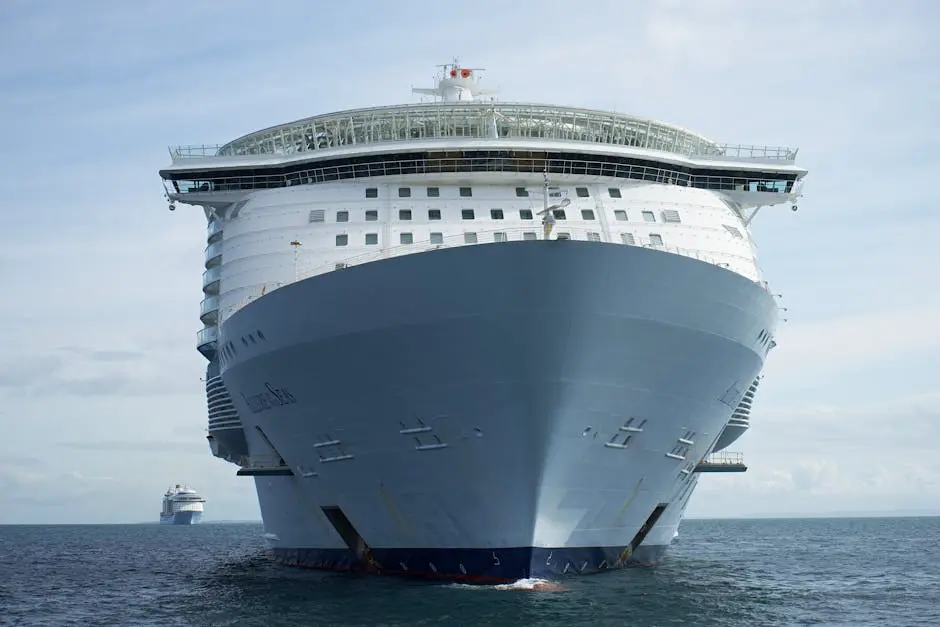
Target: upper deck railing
[474,120]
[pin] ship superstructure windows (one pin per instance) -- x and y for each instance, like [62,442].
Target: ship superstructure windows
[522,192]
[649,216]
[469,238]
[496,214]
[466,192]
[559,214]
[499,236]
[434,192]
[342,239]
[582,192]
[529,235]
[434,214]
[372,192]
[614,192]
[372,215]
[437,238]
[628,239]
[372,239]
[404,214]
[736,233]
[467,214]
[671,215]
[316,215]
[656,239]
[342,216]
[404,192]
[587,214]
[620,214]
[525,214]
[594,237]
[406,238]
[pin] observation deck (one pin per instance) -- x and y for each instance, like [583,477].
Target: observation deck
[466,121]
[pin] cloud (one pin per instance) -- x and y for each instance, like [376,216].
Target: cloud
[136,447]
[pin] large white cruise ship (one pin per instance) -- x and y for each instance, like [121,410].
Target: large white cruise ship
[181,506]
[476,340]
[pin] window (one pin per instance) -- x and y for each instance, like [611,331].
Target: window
[372,215]
[559,214]
[522,192]
[404,214]
[614,192]
[525,214]
[372,239]
[648,216]
[587,214]
[404,192]
[529,235]
[469,238]
[671,215]
[372,192]
[406,238]
[499,237]
[564,236]
[656,239]
[466,192]
[628,239]
[736,233]
[594,237]
[342,216]
[316,215]
[496,214]
[342,240]
[434,192]
[434,214]
[467,214]
[437,238]
[582,192]
[620,214]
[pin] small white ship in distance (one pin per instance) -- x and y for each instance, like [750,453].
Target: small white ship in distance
[181,506]
[478,340]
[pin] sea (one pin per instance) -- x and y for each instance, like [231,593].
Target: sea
[845,571]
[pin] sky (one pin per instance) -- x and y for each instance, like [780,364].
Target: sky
[101,400]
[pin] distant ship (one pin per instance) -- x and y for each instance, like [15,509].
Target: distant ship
[181,506]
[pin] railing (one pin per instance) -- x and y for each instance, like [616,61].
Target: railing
[208,305]
[380,166]
[213,250]
[211,275]
[214,226]
[560,231]
[193,152]
[724,459]
[757,152]
[462,121]
[261,462]
[207,335]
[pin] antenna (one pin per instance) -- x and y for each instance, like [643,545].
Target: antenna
[455,83]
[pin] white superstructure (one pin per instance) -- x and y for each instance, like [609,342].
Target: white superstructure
[301,204]
[182,506]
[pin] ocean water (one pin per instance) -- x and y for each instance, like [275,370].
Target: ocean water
[863,571]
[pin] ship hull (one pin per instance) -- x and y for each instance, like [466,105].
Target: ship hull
[491,412]
[181,518]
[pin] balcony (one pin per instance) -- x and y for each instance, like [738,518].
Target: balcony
[209,310]
[722,462]
[213,252]
[206,339]
[210,280]
[213,228]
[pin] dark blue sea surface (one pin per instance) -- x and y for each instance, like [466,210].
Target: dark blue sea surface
[862,571]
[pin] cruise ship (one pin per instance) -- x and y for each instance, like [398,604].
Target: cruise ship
[181,506]
[477,340]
